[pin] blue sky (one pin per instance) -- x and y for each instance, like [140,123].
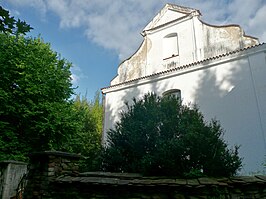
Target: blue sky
[96,35]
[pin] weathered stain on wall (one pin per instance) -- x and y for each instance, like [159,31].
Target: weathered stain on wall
[224,39]
[197,40]
[217,67]
[133,67]
[229,87]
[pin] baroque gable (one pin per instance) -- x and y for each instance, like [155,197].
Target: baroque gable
[177,36]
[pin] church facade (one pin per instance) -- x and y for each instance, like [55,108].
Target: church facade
[219,68]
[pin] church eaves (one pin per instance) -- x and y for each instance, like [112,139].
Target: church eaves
[187,66]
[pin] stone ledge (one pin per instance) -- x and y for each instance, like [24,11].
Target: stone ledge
[114,179]
[56,154]
[13,162]
[111,175]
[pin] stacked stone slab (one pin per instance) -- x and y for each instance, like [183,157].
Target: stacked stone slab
[56,175]
[44,168]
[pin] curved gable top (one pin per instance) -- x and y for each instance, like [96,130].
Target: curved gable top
[175,37]
[169,13]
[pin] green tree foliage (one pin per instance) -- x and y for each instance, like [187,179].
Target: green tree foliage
[35,111]
[35,86]
[9,25]
[160,136]
[87,140]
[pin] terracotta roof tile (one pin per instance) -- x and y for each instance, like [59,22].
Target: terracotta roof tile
[185,66]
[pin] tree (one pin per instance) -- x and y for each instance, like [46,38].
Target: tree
[35,85]
[160,136]
[87,139]
[9,25]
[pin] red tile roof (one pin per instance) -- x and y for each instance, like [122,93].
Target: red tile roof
[186,66]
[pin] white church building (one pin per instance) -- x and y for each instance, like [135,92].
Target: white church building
[219,68]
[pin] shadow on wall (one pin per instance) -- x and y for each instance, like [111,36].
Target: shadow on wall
[140,91]
[224,92]
[114,111]
[230,98]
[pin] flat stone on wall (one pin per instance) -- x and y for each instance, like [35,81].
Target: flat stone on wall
[45,167]
[54,175]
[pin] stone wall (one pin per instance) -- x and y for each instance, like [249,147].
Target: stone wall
[44,168]
[100,185]
[11,173]
[55,175]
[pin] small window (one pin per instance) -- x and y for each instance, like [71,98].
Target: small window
[170,46]
[173,92]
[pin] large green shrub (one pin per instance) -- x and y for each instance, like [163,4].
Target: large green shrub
[36,112]
[35,85]
[87,139]
[160,136]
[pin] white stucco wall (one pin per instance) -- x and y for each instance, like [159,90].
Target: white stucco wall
[196,41]
[231,89]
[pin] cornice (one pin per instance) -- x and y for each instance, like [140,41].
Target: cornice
[225,57]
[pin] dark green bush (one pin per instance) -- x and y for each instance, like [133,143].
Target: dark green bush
[160,136]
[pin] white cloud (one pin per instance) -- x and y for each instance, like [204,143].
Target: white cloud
[71,13]
[40,5]
[14,13]
[250,15]
[111,24]
[257,24]
[74,79]
[116,25]
[77,75]
[75,68]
